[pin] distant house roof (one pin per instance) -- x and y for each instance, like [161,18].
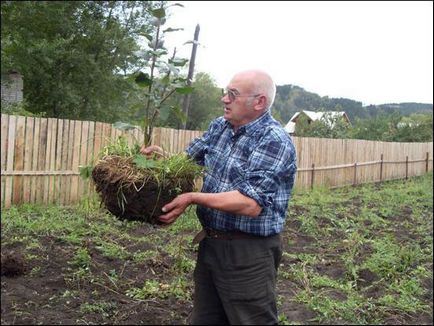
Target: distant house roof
[313,116]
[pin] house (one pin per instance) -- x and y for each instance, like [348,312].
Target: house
[314,116]
[11,87]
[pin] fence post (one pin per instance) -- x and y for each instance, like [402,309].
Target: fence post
[381,168]
[355,174]
[426,163]
[406,167]
[312,177]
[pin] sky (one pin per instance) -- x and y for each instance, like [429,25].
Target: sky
[372,52]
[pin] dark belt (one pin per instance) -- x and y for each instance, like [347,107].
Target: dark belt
[229,235]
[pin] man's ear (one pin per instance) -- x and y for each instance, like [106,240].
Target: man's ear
[261,102]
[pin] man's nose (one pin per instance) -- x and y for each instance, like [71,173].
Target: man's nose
[225,98]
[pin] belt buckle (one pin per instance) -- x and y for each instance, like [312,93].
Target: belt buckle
[200,236]
[213,234]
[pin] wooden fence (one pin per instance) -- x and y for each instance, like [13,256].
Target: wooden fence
[40,158]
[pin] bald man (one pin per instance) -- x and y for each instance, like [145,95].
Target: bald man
[250,168]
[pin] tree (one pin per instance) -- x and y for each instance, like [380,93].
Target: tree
[327,127]
[205,104]
[381,127]
[72,54]
[415,128]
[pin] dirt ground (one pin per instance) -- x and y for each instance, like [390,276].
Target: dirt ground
[39,291]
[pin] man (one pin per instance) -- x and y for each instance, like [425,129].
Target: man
[250,168]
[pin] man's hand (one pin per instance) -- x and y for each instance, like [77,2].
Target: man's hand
[151,150]
[175,208]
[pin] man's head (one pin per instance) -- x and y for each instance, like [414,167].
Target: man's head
[249,94]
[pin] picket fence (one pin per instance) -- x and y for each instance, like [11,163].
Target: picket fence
[40,158]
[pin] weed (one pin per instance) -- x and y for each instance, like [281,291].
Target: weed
[104,308]
[82,259]
[112,250]
[154,289]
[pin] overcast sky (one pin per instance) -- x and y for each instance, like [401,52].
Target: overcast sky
[372,52]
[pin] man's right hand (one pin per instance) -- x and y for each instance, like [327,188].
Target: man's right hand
[152,150]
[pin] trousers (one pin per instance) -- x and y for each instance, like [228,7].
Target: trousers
[235,281]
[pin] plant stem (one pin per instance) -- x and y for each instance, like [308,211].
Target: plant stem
[147,126]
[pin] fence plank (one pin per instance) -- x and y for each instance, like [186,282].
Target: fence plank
[58,163]
[4,150]
[28,157]
[40,181]
[17,197]
[68,188]
[97,139]
[35,156]
[83,155]
[75,160]
[41,157]
[51,160]
[10,160]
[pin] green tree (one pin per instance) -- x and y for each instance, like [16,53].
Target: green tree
[381,127]
[73,54]
[328,126]
[205,104]
[415,128]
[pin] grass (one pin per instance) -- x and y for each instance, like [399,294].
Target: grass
[368,260]
[392,220]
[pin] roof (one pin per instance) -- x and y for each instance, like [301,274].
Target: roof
[318,115]
[290,126]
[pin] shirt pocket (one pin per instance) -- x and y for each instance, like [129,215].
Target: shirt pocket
[211,160]
[212,167]
[237,172]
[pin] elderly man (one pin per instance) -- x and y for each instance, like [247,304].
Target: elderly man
[250,169]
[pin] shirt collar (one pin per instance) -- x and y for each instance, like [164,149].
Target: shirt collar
[252,126]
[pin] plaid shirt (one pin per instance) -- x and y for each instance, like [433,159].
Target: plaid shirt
[259,160]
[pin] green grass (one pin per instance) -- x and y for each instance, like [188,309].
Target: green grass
[384,229]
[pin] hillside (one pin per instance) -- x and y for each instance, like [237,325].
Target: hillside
[292,98]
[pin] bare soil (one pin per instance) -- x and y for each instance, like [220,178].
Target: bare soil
[44,290]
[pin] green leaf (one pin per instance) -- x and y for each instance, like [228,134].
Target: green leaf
[165,80]
[159,52]
[123,126]
[164,113]
[142,162]
[148,36]
[143,80]
[157,21]
[158,13]
[177,4]
[85,171]
[191,42]
[184,90]
[178,62]
[170,29]
[179,114]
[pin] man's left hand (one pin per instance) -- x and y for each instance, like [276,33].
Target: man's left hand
[175,208]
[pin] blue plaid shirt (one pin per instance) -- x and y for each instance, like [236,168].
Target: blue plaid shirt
[258,160]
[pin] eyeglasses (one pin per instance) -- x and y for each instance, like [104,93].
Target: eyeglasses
[231,93]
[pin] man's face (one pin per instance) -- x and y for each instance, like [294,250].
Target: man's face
[239,102]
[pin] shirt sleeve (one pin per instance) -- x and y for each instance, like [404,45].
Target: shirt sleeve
[199,146]
[272,163]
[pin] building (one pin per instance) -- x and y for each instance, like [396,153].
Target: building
[314,116]
[11,87]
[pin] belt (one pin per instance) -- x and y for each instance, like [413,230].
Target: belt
[223,235]
[229,235]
